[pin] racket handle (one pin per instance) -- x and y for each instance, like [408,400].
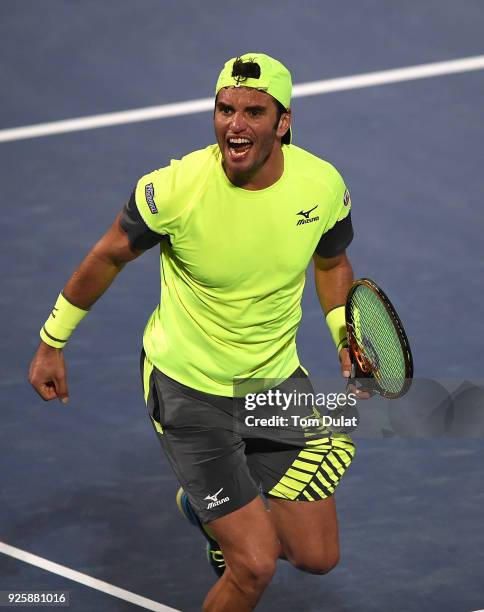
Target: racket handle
[356,376]
[352,378]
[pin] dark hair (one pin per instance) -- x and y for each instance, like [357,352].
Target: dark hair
[286,139]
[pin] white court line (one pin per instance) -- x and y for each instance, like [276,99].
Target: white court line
[357,81]
[94,583]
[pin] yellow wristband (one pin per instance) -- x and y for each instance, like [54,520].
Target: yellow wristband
[63,320]
[336,321]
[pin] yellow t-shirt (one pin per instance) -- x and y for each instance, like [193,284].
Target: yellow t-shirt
[233,266]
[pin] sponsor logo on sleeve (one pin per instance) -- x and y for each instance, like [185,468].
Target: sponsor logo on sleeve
[150,198]
[346,198]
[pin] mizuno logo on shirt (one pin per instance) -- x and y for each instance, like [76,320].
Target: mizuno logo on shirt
[307,218]
[150,198]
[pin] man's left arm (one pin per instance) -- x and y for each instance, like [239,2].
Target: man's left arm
[333,277]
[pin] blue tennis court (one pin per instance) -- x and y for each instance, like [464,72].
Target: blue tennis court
[85,486]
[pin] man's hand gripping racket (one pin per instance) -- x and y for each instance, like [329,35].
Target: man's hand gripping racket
[378,346]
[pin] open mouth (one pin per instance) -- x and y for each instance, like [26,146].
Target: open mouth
[239,147]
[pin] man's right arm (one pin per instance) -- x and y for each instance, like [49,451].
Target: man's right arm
[87,284]
[100,267]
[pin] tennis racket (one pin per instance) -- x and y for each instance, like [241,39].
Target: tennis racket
[378,346]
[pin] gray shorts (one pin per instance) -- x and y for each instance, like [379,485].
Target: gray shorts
[223,463]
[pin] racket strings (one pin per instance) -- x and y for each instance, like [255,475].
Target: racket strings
[377,339]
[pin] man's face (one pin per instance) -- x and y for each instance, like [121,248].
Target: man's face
[246,130]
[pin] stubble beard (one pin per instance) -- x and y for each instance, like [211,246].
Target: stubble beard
[245,176]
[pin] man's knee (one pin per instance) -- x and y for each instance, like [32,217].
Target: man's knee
[315,562]
[251,573]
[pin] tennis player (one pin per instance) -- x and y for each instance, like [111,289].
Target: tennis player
[237,224]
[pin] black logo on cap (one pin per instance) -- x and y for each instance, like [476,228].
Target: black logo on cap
[243,70]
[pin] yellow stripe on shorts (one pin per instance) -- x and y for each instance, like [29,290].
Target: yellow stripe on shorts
[157,425]
[304,476]
[284,491]
[318,441]
[319,491]
[335,464]
[304,465]
[147,369]
[330,473]
[293,484]
[327,485]
[312,456]
[342,456]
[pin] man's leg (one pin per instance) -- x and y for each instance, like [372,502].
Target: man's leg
[251,548]
[308,533]
[196,431]
[299,469]
[301,497]
[301,500]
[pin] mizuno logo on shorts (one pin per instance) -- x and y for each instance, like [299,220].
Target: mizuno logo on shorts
[150,197]
[214,501]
